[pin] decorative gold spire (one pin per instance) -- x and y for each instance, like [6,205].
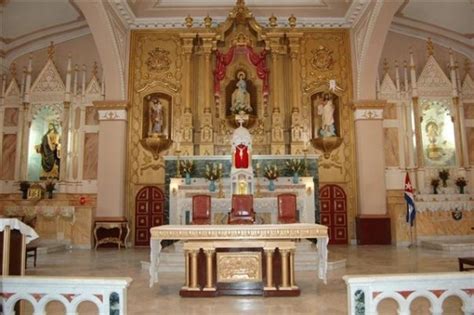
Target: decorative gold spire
[208,21]
[273,21]
[292,21]
[429,47]
[188,21]
[385,66]
[51,50]
[405,64]
[13,69]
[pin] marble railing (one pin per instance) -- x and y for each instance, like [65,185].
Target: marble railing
[108,294]
[429,202]
[365,292]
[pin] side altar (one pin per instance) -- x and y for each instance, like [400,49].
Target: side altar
[257,259]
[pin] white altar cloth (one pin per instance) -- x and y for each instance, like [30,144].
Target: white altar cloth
[16,224]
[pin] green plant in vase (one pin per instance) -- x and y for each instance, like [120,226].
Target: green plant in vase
[435,184]
[295,167]
[271,172]
[213,173]
[461,183]
[50,186]
[187,168]
[444,175]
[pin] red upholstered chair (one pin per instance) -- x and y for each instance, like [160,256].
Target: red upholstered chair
[242,210]
[287,208]
[201,209]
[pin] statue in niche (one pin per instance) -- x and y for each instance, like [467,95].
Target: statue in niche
[240,96]
[50,150]
[434,152]
[156,116]
[326,110]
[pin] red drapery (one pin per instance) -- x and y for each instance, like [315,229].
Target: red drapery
[256,59]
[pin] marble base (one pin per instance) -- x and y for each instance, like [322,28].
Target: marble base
[460,245]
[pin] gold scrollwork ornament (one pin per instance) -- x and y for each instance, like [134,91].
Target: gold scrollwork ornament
[322,58]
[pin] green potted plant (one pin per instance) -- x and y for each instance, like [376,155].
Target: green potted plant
[186,168]
[435,184]
[444,175]
[213,173]
[295,167]
[461,183]
[50,186]
[24,186]
[271,172]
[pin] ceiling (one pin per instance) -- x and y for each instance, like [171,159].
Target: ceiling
[28,25]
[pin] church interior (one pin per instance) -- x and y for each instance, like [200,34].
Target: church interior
[236,157]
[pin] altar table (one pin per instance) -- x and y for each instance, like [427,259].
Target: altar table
[239,259]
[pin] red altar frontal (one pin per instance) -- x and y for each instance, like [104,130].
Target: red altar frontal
[239,259]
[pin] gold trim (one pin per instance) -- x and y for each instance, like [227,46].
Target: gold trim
[369,104]
[224,232]
[239,266]
[110,105]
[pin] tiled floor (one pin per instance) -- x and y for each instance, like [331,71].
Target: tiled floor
[316,297]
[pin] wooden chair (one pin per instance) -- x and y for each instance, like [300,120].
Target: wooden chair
[242,210]
[201,209]
[287,208]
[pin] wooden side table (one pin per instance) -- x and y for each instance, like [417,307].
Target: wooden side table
[109,223]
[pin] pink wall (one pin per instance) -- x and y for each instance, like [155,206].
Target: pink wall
[397,47]
[82,50]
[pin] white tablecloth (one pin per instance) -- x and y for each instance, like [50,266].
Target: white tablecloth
[16,224]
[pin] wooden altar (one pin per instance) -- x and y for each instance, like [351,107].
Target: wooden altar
[239,259]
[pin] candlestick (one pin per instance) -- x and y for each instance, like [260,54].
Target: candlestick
[178,172]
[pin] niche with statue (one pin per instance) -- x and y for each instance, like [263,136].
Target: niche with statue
[325,122]
[156,128]
[44,150]
[241,98]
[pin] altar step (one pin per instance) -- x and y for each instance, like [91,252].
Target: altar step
[465,245]
[50,246]
[172,258]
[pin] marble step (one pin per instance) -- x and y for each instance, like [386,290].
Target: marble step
[49,246]
[461,245]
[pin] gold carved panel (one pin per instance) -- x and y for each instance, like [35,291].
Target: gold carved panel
[239,266]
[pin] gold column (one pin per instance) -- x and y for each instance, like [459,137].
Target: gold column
[209,270]
[194,284]
[207,143]
[284,269]
[292,268]
[64,142]
[458,132]
[186,139]
[186,267]
[269,261]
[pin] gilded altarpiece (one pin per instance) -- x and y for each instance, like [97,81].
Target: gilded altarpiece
[299,64]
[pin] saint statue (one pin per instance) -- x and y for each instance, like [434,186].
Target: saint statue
[241,97]
[434,151]
[156,115]
[326,111]
[50,150]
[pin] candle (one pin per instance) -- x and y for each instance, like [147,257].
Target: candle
[258,165]
[220,166]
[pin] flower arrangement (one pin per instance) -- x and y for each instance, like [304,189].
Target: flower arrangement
[49,185]
[271,172]
[295,166]
[461,182]
[186,167]
[213,172]
[444,175]
[435,184]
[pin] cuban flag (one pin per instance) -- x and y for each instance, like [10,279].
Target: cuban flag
[411,211]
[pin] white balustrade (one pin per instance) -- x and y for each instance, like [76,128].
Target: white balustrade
[108,294]
[365,292]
